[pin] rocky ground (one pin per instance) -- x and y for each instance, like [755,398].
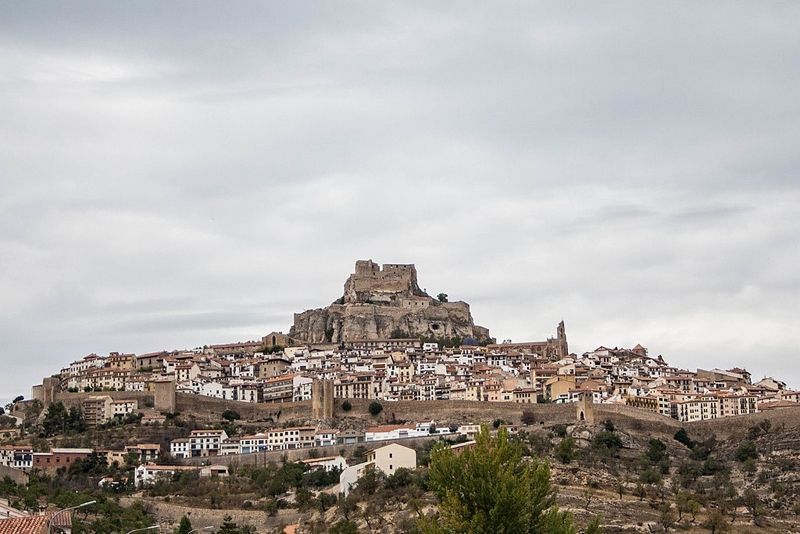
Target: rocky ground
[635,479]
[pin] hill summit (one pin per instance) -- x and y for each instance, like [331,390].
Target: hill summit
[383,302]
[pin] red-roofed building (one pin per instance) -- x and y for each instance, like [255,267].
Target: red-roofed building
[37,524]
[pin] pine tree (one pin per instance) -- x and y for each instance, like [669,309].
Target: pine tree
[185,526]
[230,527]
[491,489]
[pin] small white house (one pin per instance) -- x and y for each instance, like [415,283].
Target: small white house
[180,448]
[145,475]
[387,459]
[329,463]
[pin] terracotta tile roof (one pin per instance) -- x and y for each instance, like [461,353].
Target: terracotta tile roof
[24,525]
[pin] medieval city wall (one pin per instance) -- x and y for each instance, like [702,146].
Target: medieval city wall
[739,424]
[75,399]
[455,412]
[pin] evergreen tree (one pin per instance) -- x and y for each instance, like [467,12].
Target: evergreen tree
[55,419]
[185,526]
[230,527]
[344,527]
[491,489]
[375,408]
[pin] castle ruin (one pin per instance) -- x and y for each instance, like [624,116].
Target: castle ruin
[382,302]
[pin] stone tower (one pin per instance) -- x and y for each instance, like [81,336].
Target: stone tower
[164,396]
[47,391]
[584,409]
[561,338]
[322,399]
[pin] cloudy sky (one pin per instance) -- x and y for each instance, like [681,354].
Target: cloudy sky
[179,174]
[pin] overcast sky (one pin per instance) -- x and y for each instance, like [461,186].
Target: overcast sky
[180,174]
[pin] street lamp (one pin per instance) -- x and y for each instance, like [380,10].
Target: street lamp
[199,529]
[50,521]
[153,527]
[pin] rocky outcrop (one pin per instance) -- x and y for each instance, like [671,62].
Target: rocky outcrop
[381,303]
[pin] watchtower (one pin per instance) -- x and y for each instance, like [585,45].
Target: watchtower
[47,392]
[584,408]
[367,268]
[322,399]
[164,397]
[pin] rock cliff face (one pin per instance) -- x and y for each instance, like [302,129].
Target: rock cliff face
[384,302]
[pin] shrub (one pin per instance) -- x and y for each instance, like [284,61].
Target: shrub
[650,476]
[375,408]
[347,406]
[528,417]
[667,518]
[344,527]
[185,526]
[749,466]
[231,415]
[271,507]
[565,451]
[594,526]
[716,522]
[703,449]
[607,441]
[682,437]
[609,425]
[400,479]
[656,450]
[746,451]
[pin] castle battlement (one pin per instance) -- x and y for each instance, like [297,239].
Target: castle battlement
[371,269]
[387,284]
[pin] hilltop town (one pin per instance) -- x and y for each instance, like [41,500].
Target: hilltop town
[371,381]
[387,340]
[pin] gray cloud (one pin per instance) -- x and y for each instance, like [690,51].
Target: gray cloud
[179,174]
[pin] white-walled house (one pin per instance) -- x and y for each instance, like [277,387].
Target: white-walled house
[328,463]
[218,390]
[301,386]
[384,432]
[387,459]
[148,474]
[206,442]
[180,448]
[325,437]
[145,475]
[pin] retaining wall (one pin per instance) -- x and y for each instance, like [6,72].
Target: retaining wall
[17,475]
[294,455]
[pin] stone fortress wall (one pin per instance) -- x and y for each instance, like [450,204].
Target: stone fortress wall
[372,283]
[456,412]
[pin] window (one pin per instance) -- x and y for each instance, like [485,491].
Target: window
[390,455]
[390,467]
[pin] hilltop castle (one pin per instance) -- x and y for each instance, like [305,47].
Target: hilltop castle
[382,302]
